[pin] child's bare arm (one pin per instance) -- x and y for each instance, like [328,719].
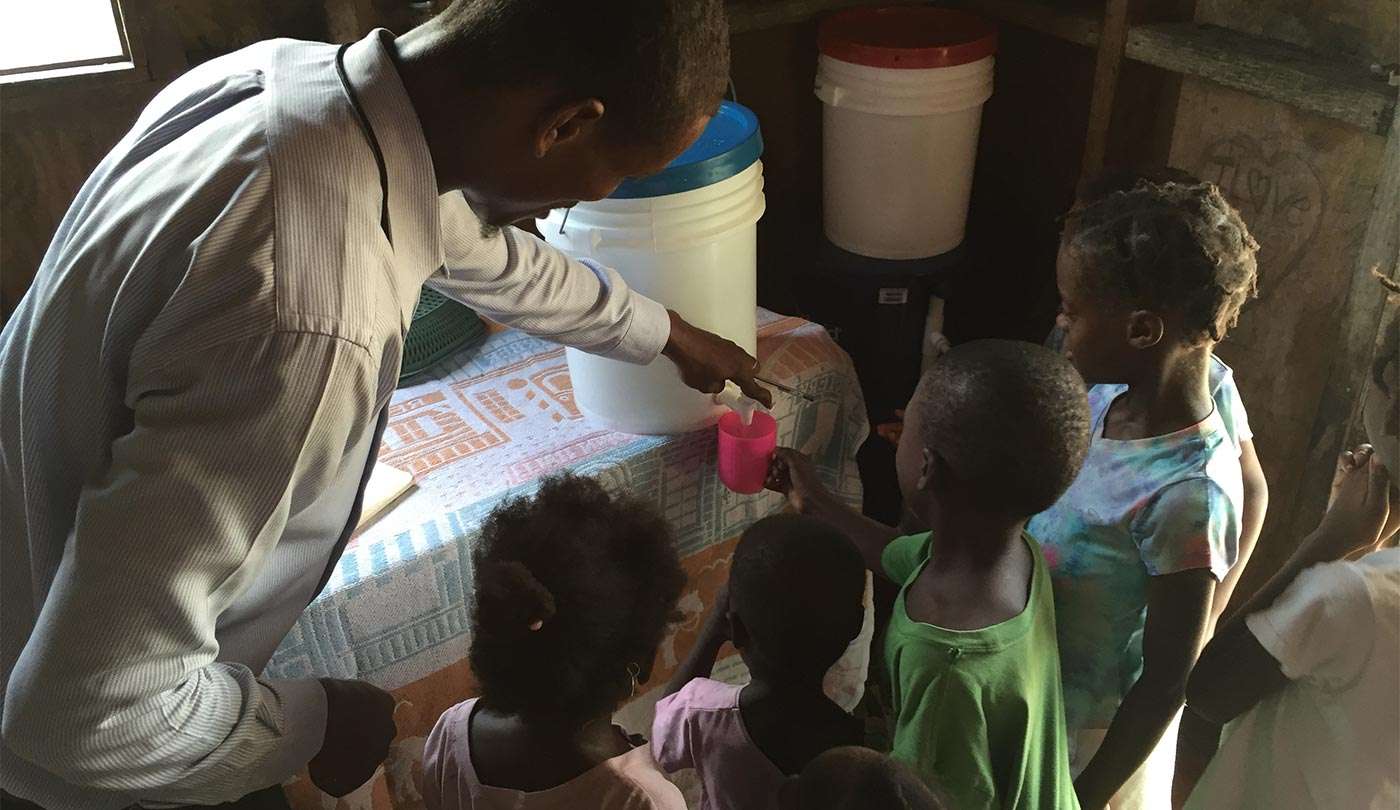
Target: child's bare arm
[1256,506]
[794,475]
[1178,615]
[700,661]
[1235,672]
[1196,744]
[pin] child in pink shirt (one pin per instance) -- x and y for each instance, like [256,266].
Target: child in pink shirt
[573,591]
[793,605]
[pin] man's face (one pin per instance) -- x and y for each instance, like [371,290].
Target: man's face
[589,165]
[1095,335]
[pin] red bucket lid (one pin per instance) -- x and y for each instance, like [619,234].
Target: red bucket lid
[907,37]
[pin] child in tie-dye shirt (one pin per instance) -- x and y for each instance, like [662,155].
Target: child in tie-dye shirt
[1150,280]
[1222,385]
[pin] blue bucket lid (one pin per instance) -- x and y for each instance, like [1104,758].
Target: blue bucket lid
[730,143]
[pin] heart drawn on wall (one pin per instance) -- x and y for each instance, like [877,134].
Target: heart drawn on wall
[1280,196]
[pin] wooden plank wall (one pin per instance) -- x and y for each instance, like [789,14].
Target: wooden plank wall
[1307,186]
[1363,31]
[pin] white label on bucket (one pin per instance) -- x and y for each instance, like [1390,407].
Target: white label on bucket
[893,295]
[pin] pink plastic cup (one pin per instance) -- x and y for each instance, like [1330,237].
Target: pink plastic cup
[745,451]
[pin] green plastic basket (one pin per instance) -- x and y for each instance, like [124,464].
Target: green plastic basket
[440,327]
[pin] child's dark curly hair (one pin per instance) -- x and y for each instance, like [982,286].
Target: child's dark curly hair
[1168,247]
[574,589]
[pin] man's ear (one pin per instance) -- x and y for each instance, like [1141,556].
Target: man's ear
[566,123]
[1144,329]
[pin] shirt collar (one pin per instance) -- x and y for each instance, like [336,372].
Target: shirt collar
[413,191]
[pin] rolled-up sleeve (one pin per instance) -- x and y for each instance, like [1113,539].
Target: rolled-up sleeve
[118,687]
[512,277]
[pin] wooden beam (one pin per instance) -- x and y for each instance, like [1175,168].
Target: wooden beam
[1337,424]
[1269,69]
[753,16]
[1068,24]
[1108,61]
[1263,67]
[1074,26]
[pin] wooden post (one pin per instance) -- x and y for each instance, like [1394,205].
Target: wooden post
[1113,37]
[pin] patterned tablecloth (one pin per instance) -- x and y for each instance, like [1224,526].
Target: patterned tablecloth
[486,425]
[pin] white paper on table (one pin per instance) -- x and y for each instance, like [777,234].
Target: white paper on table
[385,486]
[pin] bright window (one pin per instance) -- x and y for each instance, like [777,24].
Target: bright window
[39,35]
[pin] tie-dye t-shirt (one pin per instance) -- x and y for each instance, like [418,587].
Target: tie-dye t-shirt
[1228,402]
[1138,509]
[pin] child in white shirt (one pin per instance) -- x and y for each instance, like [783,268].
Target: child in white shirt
[1308,680]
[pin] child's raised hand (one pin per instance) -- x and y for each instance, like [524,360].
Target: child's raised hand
[1359,509]
[794,475]
[1348,462]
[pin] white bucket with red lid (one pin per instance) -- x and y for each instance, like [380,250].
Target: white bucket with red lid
[902,90]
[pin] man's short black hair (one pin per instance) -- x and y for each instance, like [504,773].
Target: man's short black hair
[796,584]
[655,64]
[1011,421]
[571,586]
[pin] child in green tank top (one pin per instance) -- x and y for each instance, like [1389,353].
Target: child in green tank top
[995,433]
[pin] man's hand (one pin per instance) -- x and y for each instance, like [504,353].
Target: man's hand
[706,360]
[359,728]
[794,475]
[1360,506]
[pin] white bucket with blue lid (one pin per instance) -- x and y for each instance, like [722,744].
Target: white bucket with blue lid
[687,238]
